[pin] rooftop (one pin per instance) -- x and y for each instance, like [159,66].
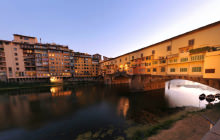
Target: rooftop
[169,39]
[24,36]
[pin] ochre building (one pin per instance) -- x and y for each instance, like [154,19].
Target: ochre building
[195,53]
[85,65]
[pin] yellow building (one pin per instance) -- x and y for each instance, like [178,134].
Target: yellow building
[85,65]
[195,53]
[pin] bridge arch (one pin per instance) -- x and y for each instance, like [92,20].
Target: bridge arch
[151,82]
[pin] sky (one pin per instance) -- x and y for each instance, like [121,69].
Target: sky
[108,27]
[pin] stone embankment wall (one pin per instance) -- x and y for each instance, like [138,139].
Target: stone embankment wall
[149,82]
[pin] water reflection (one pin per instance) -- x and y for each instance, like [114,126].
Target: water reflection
[58,91]
[123,106]
[186,93]
[75,109]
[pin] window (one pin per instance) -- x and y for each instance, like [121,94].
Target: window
[209,70]
[120,60]
[154,70]
[16,59]
[184,59]
[148,58]
[16,54]
[172,69]
[153,51]
[175,60]
[183,69]
[191,42]
[169,48]
[162,69]
[154,62]
[125,58]
[197,58]
[132,57]
[196,69]
[146,64]
[17,64]
[142,55]
[170,61]
[148,70]
[15,49]
[162,61]
[17,68]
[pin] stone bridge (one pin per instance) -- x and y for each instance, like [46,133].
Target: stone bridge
[152,82]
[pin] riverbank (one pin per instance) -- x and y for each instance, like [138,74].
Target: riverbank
[185,125]
[15,86]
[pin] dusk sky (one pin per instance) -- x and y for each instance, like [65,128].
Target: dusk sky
[108,27]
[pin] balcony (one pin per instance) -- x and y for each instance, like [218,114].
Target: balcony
[1,49]
[2,59]
[27,47]
[2,54]
[29,56]
[2,64]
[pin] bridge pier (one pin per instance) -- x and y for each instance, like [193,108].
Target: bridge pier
[153,82]
[213,83]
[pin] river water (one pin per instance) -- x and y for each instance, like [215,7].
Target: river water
[63,113]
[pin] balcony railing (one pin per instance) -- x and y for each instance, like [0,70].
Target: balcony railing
[2,54]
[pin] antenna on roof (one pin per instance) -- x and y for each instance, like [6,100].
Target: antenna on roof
[40,40]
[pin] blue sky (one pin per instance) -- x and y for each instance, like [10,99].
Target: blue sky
[108,27]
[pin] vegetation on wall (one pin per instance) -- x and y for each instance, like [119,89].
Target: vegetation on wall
[203,49]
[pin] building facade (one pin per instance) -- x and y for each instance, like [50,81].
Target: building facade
[195,53]
[86,66]
[24,58]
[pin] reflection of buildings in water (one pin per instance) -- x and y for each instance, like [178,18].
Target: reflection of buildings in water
[18,110]
[58,91]
[182,95]
[15,111]
[79,93]
[123,106]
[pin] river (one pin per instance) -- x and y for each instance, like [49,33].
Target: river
[99,111]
